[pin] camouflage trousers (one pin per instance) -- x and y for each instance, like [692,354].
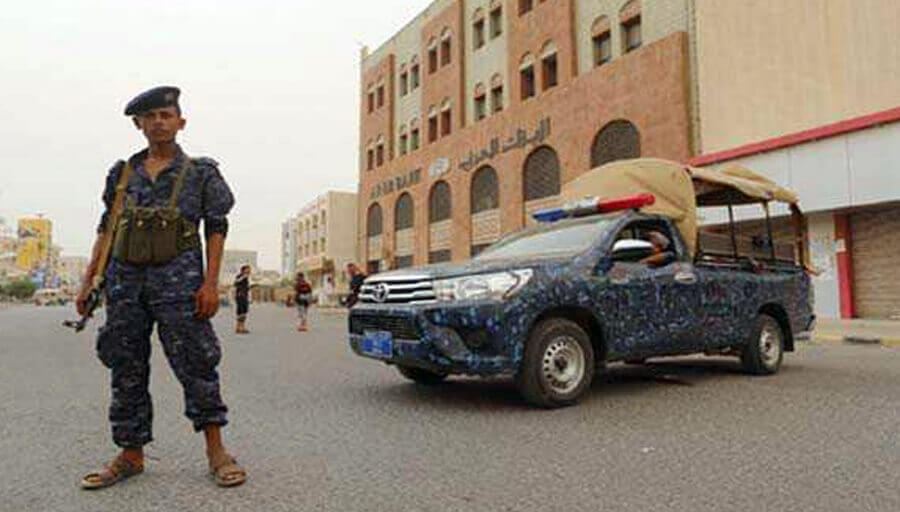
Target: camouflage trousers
[193,352]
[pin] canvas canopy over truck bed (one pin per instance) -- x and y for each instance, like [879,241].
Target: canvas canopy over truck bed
[680,190]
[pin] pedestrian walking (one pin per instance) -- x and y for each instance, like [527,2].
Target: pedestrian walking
[302,297]
[155,201]
[327,292]
[242,299]
[356,281]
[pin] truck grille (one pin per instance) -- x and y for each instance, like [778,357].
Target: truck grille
[400,327]
[398,290]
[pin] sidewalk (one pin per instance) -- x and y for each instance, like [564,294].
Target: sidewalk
[875,332]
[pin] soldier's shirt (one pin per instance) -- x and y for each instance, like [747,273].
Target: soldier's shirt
[205,196]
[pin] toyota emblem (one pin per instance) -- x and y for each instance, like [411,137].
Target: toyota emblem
[380,292]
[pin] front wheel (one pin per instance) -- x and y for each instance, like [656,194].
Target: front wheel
[421,376]
[765,349]
[558,365]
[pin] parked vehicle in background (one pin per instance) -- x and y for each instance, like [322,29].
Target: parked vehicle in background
[624,276]
[50,297]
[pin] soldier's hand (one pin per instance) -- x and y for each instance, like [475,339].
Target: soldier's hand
[81,300]
[207,301]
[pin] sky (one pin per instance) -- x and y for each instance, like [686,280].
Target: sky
[269,90]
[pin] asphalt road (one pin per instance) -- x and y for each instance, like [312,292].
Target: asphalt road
[320,429]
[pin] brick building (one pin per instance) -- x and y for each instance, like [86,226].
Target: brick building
[477,111]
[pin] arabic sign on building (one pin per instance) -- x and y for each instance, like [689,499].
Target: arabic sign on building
[438,168]
[396,183]
[518,140]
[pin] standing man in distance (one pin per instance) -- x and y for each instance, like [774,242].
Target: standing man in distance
[156,277]
[242,299]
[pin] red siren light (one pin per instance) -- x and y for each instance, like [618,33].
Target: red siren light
[625,203]
[594,206]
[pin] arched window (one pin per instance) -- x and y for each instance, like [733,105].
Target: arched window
[432,55]
[485,190]
[478,32]
[601,41]
[439,202]
[549,66]
[618,140]
[527,84]
[496,93]
[403,212]
[445,46]
[373,220]
[480,101]
[404,240]
[630,22]
[541,174]
[485,194]
[446,117]
[403,140]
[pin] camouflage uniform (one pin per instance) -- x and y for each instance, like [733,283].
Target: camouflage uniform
[139,296]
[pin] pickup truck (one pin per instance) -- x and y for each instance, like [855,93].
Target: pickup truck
[608,279]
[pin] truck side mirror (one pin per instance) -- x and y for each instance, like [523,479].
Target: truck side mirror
[631,249]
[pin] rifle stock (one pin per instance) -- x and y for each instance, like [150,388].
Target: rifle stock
[106,242]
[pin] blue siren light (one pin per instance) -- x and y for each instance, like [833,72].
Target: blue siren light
[593,206]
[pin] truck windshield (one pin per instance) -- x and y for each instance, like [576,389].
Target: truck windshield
[560,239]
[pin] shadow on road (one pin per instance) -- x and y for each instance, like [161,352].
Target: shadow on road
[469,393]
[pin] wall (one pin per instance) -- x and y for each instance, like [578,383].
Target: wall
[770,67]
[853,169]
[341,237]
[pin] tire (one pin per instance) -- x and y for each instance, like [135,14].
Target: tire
[421,376]
[765,349]
[558,365]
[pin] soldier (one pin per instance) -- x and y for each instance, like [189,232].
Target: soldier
[156,277]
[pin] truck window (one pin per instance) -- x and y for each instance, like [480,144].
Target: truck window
[656,233]
[564,238]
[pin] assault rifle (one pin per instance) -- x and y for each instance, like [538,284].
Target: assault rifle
[92,303]
[106,242]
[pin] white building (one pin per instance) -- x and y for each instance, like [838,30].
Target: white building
[289,247]
[326,238]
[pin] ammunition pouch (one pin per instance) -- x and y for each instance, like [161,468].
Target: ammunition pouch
[155,235]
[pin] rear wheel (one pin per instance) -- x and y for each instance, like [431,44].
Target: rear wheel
[765,349]
[421,376]
[558,365]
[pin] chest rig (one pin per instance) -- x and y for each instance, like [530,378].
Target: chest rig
[155,235]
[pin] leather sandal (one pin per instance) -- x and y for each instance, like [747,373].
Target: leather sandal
[119,469]
[228,473]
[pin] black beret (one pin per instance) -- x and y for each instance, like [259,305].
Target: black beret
[158,97]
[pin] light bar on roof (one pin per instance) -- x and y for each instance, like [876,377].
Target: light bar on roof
[593,206]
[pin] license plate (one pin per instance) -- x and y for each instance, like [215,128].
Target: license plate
[378,344]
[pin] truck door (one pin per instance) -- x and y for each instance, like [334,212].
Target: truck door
[726,301]
[656,300]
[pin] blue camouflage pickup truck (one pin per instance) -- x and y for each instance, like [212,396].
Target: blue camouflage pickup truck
[601,280]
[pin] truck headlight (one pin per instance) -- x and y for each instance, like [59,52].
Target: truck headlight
[498,286]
